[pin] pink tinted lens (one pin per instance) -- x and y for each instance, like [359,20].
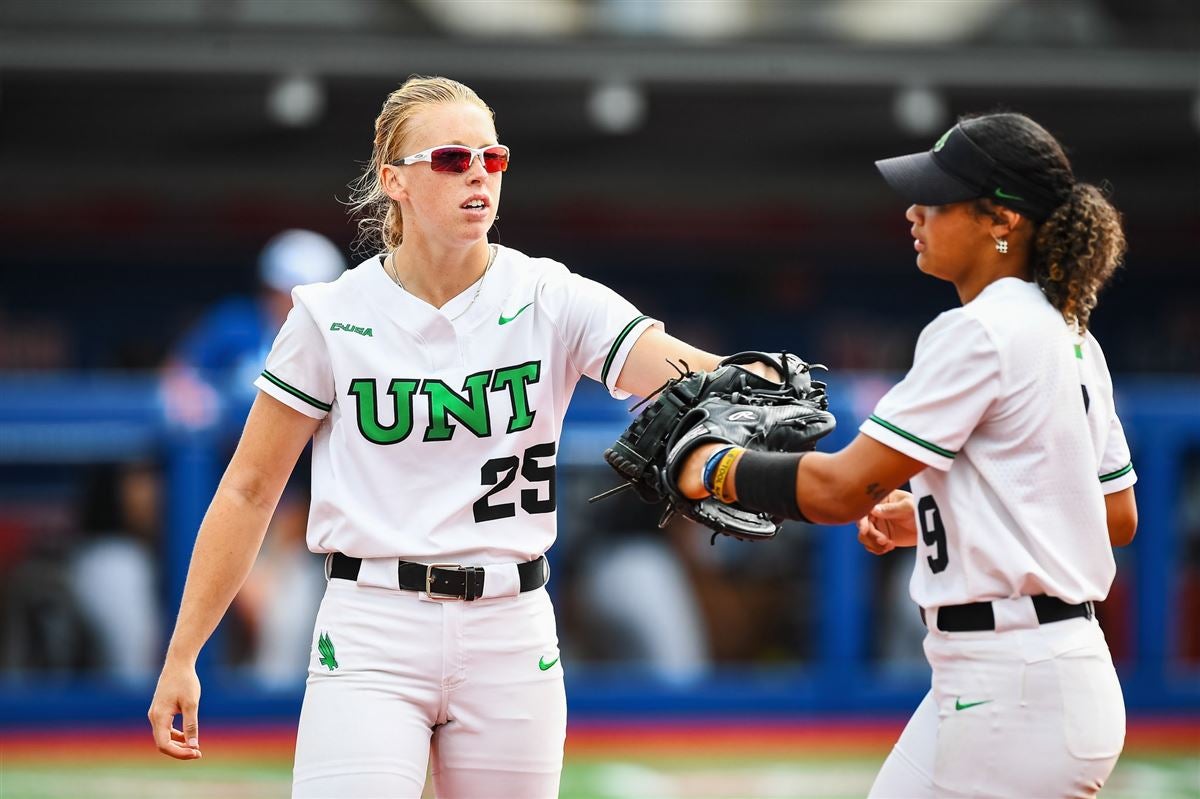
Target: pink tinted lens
[495,159]
[450,159]
[458,159]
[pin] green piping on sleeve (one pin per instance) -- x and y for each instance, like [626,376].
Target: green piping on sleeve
[297,393]
[1124,470]
[945,453]
[612,353]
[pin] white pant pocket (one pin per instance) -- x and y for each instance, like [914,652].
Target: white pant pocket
[1093,705]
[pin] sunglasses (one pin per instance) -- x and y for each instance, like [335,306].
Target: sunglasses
[457,158]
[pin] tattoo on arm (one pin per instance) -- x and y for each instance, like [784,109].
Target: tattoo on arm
[875,492]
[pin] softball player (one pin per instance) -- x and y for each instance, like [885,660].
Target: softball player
[1020,473]
[433,380]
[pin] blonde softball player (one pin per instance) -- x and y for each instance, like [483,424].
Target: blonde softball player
[1020,473]
[433,380]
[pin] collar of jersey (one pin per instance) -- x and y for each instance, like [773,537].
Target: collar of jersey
[422,313]
[1004,285]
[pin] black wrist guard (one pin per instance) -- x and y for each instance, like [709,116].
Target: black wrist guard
[766,481]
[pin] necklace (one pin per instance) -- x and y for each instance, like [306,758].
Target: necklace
[394,275]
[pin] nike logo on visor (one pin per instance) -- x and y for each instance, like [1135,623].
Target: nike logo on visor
[504,320]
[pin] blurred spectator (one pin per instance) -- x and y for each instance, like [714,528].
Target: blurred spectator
[209,379]
[112,574]
[634,598]
[33,342]
[670,600]
[897,628]
[213,368]
[756,598]
[42,628]
[280,597]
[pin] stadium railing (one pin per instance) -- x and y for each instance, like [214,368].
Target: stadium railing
[87,417]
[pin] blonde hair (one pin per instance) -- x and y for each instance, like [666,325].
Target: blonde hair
[380,226]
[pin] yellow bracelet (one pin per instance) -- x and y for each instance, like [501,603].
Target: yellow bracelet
[723,469]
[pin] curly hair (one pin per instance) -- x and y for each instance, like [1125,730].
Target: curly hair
[1079,246]
[380,225]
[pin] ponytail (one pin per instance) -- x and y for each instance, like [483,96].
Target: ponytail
[1079,246]
[1076,250]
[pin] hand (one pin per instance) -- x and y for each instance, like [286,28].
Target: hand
[178,692]
[691,476]
[764,371]
[891,523]
[662,453]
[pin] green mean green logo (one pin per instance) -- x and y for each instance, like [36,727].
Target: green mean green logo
[937,147]
[362,331]
[325,647]
[1003,195]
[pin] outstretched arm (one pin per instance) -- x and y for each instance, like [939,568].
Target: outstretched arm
[649,364]
[832,488]
[228,541]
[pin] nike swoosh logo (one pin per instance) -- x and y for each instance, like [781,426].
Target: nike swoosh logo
[960,705]
[504,320]
[542,664]
[1005,196]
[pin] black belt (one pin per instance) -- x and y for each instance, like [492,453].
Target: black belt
[978,616]
[444,580]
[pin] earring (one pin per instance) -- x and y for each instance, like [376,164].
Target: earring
[1002,246]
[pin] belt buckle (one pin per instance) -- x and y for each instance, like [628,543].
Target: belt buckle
[429,592]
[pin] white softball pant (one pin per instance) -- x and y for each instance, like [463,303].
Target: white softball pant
[1023,714]
[395,678]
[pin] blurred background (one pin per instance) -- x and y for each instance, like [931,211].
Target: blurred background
[711,160]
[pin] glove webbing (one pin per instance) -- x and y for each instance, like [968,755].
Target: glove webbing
[670,405]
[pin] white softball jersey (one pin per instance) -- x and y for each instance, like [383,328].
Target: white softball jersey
[1013,413]
[439,427]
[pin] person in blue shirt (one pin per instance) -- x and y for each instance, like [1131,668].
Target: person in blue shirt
[210,373]
[209,380]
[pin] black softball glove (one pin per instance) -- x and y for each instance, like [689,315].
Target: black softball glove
[730,404]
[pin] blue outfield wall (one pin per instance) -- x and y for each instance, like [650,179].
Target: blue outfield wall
[85,418]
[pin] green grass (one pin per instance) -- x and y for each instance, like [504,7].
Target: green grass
[146,781]
[590,777]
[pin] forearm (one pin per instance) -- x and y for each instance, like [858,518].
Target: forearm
[833,488]
[823,495]
[826,496]
[226,546]
[1122,517]
[657,357]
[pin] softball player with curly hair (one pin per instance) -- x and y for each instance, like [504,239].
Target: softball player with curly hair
[433,380]
[1020,472]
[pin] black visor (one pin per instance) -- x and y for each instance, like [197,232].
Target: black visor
[956,169]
